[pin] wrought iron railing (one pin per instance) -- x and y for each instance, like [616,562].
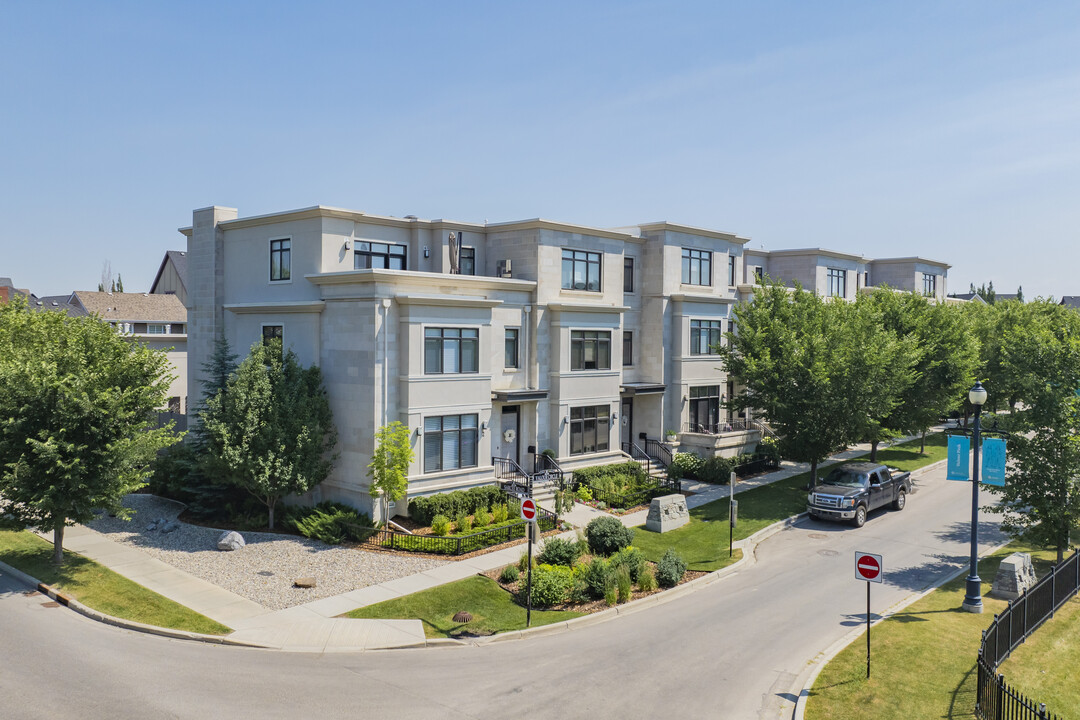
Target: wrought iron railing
[732,425]
[512,477]
[636,453]
[546,469]
[756,465]
[994,698]
[657,450]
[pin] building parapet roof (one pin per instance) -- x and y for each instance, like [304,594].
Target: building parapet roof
[912,259]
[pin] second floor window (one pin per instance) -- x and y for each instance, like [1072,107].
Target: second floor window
[280,260]
[705,336]
[467,261]
[696,267]
[590,350]
[759,273]
[628,275]
[929,284]
[510,350]
[580,270]
[384,256]
[627,347]
[731,270]
[837,286]
[451,350]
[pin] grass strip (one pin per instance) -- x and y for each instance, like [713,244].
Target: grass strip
[703,541]
[922,658]
[99,588]
[1040,668]
[492,608]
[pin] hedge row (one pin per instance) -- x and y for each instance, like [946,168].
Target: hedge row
[459,502]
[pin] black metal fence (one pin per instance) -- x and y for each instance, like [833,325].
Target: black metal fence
[453,545]
[641,494]
[756,465]
[995,699]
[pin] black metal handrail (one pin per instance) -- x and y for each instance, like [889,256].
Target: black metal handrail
[636,453]
[546,469]
[994,698]
[733,425]
[657,450]
[508,472]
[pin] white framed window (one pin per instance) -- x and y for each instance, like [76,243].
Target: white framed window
[837,283]
[156,329]
[696,267]
[580,270]
[511,354]
[929,284]
[705,336]
[281,260]
[378,255]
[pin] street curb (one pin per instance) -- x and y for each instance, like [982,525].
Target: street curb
[70,602]
[826,656]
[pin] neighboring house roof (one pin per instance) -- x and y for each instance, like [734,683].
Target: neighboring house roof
[133,307]
[178,258]
[973,297]
[1072,301]
[57,302]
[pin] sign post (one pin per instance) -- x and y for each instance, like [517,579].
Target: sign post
[733,512]
[528,514]
[868,568]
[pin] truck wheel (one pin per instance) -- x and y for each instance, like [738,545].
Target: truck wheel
[860,516]
[900,501]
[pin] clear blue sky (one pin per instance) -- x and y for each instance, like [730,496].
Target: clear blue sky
[949,130]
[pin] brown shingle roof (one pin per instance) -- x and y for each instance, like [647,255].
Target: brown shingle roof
[133,307]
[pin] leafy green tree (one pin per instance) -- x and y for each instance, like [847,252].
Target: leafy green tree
[270,430]
[389,466]
[77,418]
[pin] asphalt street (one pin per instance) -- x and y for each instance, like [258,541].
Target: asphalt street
[734,649]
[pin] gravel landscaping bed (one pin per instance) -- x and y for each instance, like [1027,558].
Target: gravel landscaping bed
[264,570]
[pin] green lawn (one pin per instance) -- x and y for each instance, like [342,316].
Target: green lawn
[922,658]
[1040,667]
[492,608]
[703,541]
[99,588]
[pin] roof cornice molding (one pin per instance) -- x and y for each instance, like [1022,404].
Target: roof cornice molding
[542,224]
[305,306]
[664,225]
[820,251]
[447,301]
[702,298]
[586,307]
[374,275]
[912,259]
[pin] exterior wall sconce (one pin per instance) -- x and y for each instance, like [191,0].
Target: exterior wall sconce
[347,245]
[427,253]
[483,428]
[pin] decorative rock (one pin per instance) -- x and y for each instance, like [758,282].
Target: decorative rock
[230,540]
[152,526]
[169,527]
[305,582]
[667,513]
[1014,576]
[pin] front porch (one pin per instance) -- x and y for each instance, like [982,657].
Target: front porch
[729,439]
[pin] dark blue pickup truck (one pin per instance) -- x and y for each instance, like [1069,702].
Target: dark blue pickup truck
[851,491]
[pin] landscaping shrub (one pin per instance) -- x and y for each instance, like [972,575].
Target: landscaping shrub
[500,513]
[584,494]
[328,521]
[509,574]
[551,585]
[715,470]
[611,594]
[684,465]
[440,525]
[523,562]
[630,558]
[670,569]
[647,579]
[482,518]
[458,502]
[623,584]
[598,575]
[558,551]
[607,535]
[464,525]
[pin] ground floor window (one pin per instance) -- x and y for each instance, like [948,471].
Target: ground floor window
[450,442]
[589,429]
[704,408]
[273,332]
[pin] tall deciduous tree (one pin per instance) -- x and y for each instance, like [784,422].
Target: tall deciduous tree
[271,429]
[77,418]
[389,467]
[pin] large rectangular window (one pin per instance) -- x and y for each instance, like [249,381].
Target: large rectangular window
[580,270]
[280,260]
[731,270]
[590,350]
[696,267]
[705,336]
[837,286]
[450,442]
[451,350]
[628,275]
[627,348]
[590,429]
[467,261]
[510,349]
[384,256]
[929,284]
[704,408]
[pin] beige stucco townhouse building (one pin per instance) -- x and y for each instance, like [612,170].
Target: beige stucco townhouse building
[497,340]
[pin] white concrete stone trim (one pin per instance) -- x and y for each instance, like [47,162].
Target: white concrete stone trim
[541,224]
[309,306]
[664,225]
[417,277]
[447,300]
[587,307]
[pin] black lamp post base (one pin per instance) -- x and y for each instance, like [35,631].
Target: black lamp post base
[973,599]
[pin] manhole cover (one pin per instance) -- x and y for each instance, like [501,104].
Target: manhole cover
[818,536]
[828,553]
[265,573]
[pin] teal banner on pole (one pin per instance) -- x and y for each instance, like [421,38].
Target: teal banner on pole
[993,461]
[959,458]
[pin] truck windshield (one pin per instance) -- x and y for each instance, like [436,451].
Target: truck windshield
[846,478]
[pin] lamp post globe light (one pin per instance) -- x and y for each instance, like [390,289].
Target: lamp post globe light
[973,597]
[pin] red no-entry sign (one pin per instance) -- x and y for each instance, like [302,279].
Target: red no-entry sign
[867,567]
[528,509]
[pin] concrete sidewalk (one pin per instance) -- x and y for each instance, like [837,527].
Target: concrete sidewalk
[315,626]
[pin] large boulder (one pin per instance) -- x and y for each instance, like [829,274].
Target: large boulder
[1014,576]
[667,513]
[230,540]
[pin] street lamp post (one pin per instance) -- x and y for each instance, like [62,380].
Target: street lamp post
[973,598]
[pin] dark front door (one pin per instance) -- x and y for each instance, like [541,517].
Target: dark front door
[627,420]
[509,442]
